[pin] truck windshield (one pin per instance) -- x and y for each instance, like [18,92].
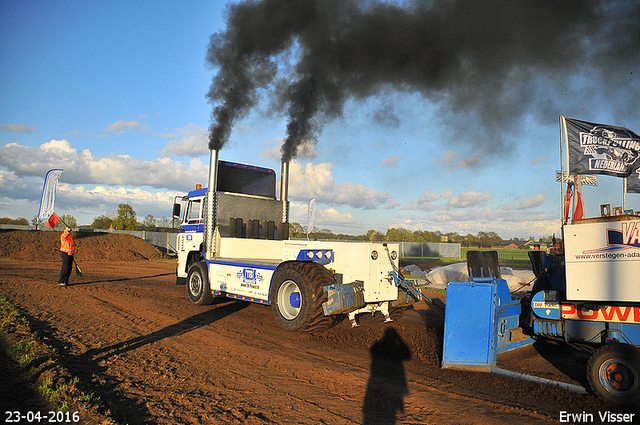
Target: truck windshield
[246,179]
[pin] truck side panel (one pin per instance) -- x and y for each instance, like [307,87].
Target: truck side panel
[247,282]
[603,260]
[251,249]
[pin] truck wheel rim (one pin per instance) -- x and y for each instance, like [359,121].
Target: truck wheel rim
[289,301]
[195,284]
[618,377]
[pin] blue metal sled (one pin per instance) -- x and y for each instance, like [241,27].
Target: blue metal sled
[481,320]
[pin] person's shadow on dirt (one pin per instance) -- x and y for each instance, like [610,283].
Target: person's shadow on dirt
[387,384]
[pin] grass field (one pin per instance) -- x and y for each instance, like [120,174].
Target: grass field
[516,259]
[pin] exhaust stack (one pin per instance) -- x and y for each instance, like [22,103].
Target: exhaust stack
[211,207]
[283,227]
[284,191]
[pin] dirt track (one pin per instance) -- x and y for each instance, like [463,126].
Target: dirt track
[130,334]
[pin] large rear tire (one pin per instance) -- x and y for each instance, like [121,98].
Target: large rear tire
[198,288]
[613,372]
[297,296]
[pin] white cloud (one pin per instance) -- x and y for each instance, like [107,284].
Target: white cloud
[272,149]
[469,199]
[450,158]
[244,130]
[325,218]
[317,181]
[474,220]
[58,145]
[92,186]
[20,197]
[84,168]
[16,128]
[121,126]
[122,179]
[113,196]
[390,162]
[15,187]
[311,181]
[542,159]
[528,203]
[191,140]
[306,150]
[429,201]
[466,213]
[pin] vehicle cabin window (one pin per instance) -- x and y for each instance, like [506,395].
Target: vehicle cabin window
[192,215]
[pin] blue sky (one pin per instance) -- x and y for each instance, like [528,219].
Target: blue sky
[114,93]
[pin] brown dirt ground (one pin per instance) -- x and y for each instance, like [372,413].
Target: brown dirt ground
[131,335]
[23,245]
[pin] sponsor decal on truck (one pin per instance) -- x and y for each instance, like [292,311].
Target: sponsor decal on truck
[614,313]
[622,242]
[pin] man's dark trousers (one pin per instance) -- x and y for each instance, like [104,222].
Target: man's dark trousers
[67,264]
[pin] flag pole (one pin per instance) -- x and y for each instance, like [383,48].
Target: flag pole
[564,144]
[624,194]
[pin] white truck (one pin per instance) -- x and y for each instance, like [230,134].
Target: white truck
[234,242]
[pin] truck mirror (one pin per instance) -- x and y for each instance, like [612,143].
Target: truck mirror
[176,211]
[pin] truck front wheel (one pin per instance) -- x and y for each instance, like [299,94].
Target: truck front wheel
[297,296]
[198,287]
[614,374]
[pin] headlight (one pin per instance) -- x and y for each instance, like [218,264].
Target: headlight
[310,255]
[327,255]
[319,255]
[374,255]
[394,255]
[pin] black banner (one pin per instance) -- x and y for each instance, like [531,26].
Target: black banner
[602,149]
[633,182]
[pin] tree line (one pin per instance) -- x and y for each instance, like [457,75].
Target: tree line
[126,219]
[482,239]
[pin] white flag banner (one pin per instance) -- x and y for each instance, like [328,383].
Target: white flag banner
[312,215]
[49,194]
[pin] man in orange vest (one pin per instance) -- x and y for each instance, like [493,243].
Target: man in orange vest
[66,254]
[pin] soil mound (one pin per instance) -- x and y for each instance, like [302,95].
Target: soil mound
[28,245]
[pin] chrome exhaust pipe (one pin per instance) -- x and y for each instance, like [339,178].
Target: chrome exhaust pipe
[284,191]
[210,219]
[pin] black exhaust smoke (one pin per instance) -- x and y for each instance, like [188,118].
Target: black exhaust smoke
[491,63]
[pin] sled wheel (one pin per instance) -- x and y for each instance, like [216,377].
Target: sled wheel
[297,296]
[198,287]
[614,374]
